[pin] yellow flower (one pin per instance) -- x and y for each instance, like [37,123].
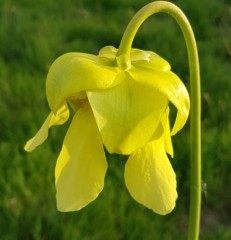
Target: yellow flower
[125,109]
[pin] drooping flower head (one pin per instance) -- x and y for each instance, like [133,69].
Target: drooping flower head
[124,109]
[127,112]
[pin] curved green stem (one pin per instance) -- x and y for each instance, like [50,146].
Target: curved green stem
[124,53]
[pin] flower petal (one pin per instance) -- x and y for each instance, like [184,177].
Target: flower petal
[127,115]
[167,83]
[81,165]
[61,117]
[167,136]
[76,72]
[148,59]
[150,178]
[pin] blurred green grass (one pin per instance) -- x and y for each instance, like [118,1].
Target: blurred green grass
[32,35]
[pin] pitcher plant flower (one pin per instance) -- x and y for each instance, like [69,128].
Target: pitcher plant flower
[121,102]
[124,110]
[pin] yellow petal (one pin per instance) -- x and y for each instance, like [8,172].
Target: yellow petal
[77,72]
[81,165]
[107,54]
[139,57]
[127,115]
[61,117]
[167,135]
[169,85]
[150,178]
[149,60]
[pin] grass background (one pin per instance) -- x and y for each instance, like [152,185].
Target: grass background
[34,33]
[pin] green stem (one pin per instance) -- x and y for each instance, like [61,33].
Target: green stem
[195,127]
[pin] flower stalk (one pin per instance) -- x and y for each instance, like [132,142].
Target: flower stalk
[195,125]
